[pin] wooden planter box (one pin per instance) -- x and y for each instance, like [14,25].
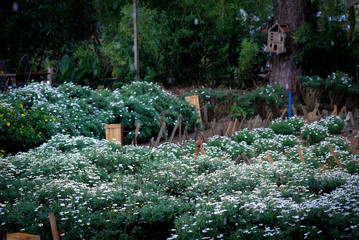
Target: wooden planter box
[194,101]
[114,133]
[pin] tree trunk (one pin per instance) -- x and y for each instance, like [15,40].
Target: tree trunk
[284,70]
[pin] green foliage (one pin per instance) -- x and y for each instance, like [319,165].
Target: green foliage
[314,133]
[22,129]
[248,60]
[334,124]
[263,98]
[282,127]
[238,112]
[81,111]
[67,73]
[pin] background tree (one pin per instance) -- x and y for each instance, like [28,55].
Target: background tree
[284,68]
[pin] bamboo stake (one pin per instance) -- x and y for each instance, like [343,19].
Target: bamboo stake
[228,128]
[300,155]
[335,157]
[234,127]
[269,158]
[160,134]
[175,128]
[135,134]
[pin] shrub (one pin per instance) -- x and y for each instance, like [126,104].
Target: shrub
[245,136]
[22,129]
[314,133]
[334,124]
[263,99]
[282,127]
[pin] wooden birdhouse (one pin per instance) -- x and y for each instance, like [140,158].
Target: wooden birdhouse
[279,38]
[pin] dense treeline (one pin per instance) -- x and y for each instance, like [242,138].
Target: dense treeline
[207,42]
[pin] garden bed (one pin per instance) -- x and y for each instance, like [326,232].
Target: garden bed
[100,190]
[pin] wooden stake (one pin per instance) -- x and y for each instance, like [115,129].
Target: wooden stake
[212,127]
[55,232]
[237,160]
[300,155]
[135,135]
[228,129]
[240,125]
[335,157]
[294,110]
[205,116]
[343,110]
[175,128]
[234,127]
[246,159]
[199,147]
[283,113]
[269,158]
[152,142]
[305,113]
[255,122]
[186,132]
[334,111]
[180,128]
[160,134]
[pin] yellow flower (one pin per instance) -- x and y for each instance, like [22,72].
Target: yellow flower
[2,151]
[8,124]
[1,115]
[23,115]
[21,106]
[46,120]
[54,119]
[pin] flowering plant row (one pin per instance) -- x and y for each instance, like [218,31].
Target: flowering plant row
[76,110]
[100,190]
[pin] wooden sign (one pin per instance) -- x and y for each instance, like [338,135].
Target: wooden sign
[114,133]
[269,158]
[300,155]
[335,157]
[194,101]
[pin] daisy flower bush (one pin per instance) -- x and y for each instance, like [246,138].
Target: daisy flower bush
[100,190]
[78,110]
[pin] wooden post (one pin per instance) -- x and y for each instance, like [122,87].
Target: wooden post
[228,129]
[212,126]
[55,232]
[246,159]
[199,147]
[135,135]
[197,131]
[234,127]
[205,116]
[335,157]
[114,133]
[343,110]
[160,134]
[164,132]
[152,142]
[175,128]
[186,132]
[294,110]
[136,47]
[334,111]
[269,158]
[283,113]
[240,125]
[305,113]
[180,128]
[300,155]
[255,122]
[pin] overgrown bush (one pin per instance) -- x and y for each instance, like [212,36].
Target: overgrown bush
[22,129]
[314,133]
[263,99]
[282,127]
[334,124]
[81,111]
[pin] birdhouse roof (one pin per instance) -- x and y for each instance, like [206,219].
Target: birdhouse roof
[279,27]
